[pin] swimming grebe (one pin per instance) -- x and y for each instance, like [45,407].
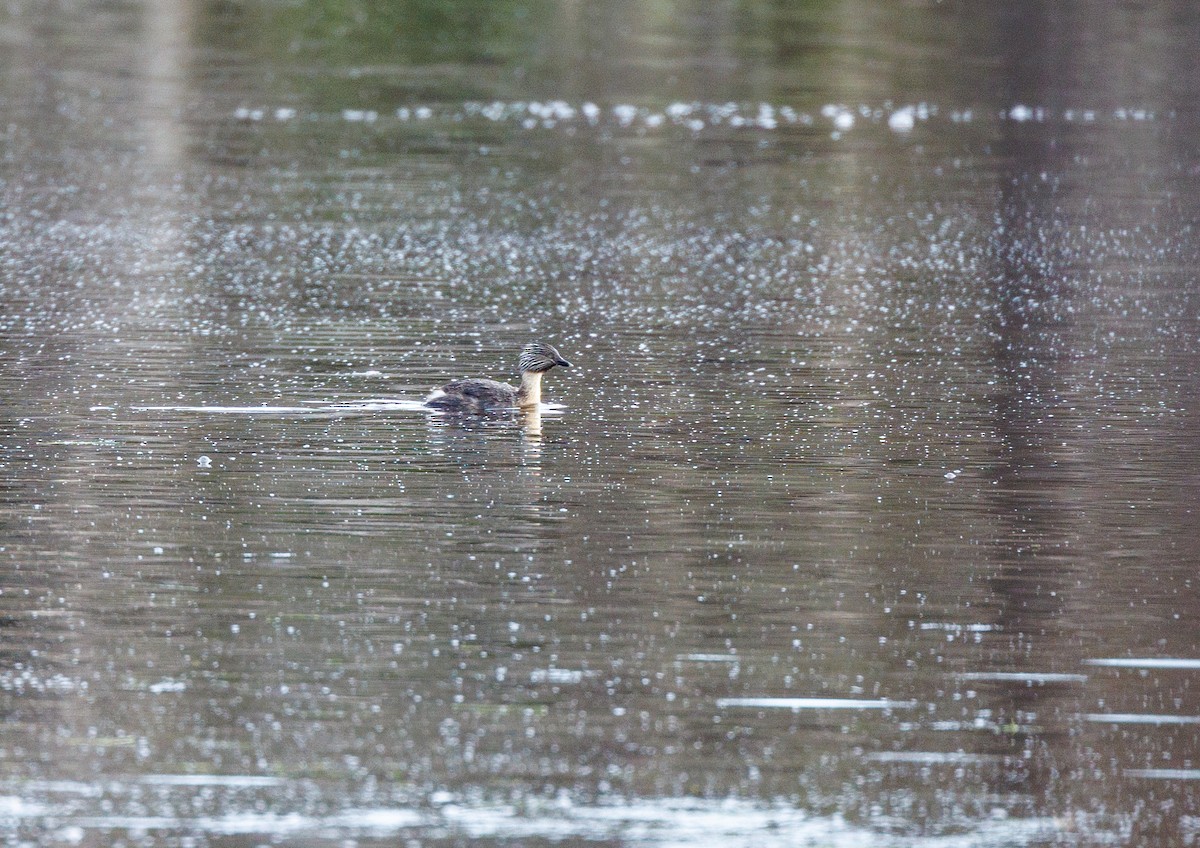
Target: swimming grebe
[474,397]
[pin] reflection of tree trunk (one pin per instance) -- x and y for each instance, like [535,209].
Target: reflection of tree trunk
[1037,495]
[167,29]
[108,148]
[1041,519]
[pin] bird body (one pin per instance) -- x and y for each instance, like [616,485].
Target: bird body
[478,396]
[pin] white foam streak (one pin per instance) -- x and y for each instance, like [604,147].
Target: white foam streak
[796,704]
[1145,662]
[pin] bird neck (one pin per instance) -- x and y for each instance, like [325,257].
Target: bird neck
[530,393]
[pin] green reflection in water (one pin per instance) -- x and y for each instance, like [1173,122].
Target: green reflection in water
[411,32]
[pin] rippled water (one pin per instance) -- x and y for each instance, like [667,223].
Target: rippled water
[865,517]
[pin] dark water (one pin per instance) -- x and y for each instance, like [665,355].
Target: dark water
[866,517]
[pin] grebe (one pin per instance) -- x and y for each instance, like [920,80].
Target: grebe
[474,397]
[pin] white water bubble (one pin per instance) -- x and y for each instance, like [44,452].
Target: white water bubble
[624,113]
[902,120]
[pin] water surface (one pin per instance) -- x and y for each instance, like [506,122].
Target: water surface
[865,517]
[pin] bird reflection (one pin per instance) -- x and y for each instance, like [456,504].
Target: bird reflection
[531,426]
